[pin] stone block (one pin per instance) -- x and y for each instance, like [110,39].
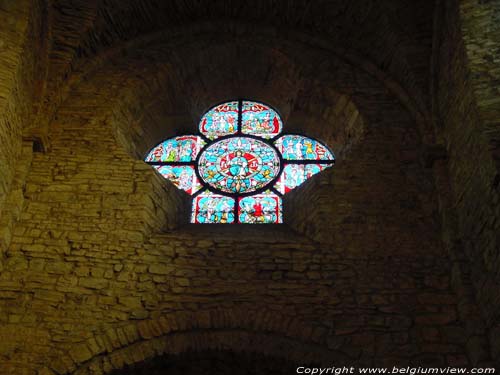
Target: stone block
[436,319]
[145,330]
[58,268]
[80,353]
[161,269]
[93,283]
[95,347]
[45,371]
[49,295]
[130,301]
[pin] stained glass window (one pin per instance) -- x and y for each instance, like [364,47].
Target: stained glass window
[240,165]
[182,176]
[260,120]
[220,120]
[297,147]
[178,149]
[262,208]
[294,175]
[210,208]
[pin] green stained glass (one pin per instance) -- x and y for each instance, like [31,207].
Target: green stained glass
[238,165]
[178,149]
[182,176]
[294,175]
[297,147]
[260,120]
[210,208]
[262,208]
[220,121]
[236,170]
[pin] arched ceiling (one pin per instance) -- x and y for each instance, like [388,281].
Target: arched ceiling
[167,62]
[162,89]
[394,35]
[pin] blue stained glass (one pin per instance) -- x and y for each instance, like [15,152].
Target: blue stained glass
[182,176]
[184,149]
[260,120]
[220,120]
[209,208]
[238,165]
[297,147]
[294,175]
[239,168]
[260,209]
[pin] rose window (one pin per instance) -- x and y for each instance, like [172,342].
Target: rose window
[240,165]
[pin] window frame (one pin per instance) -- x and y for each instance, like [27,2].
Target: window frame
[270,186]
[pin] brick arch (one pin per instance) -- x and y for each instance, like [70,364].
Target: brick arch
[126,109]
[124,106]
[267,332]
[234,340]
[340,128]
[170,39]
[409,97]
[122,117]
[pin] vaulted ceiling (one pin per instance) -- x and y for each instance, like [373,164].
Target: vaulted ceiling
[169,60]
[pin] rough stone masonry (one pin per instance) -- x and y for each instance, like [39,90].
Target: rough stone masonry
[389,258]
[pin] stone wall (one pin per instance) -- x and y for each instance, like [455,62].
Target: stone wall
[481,34]
[467,98]
[98,276]
[83,198]
[13,34]
[23,48]
[98,271]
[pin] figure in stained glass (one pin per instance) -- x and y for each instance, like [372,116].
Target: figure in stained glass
[219,121]
[297,147]
[238,170]
[212,208]
[239,165]
[294,175]
[182,176]
[260,120]
[260,209]
[178,149]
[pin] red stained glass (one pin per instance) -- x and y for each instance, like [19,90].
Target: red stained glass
[182,176]
[238,170]
[260,120]
[262,208]
[294,175]
[238,165]
[178,149]
[297,147]
[210,208]
[220,121]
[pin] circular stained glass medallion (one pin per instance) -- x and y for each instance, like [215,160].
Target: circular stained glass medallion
[239,165]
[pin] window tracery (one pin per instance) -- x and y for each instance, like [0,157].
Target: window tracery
[240,165]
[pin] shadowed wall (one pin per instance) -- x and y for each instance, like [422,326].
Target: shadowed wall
[389,258]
